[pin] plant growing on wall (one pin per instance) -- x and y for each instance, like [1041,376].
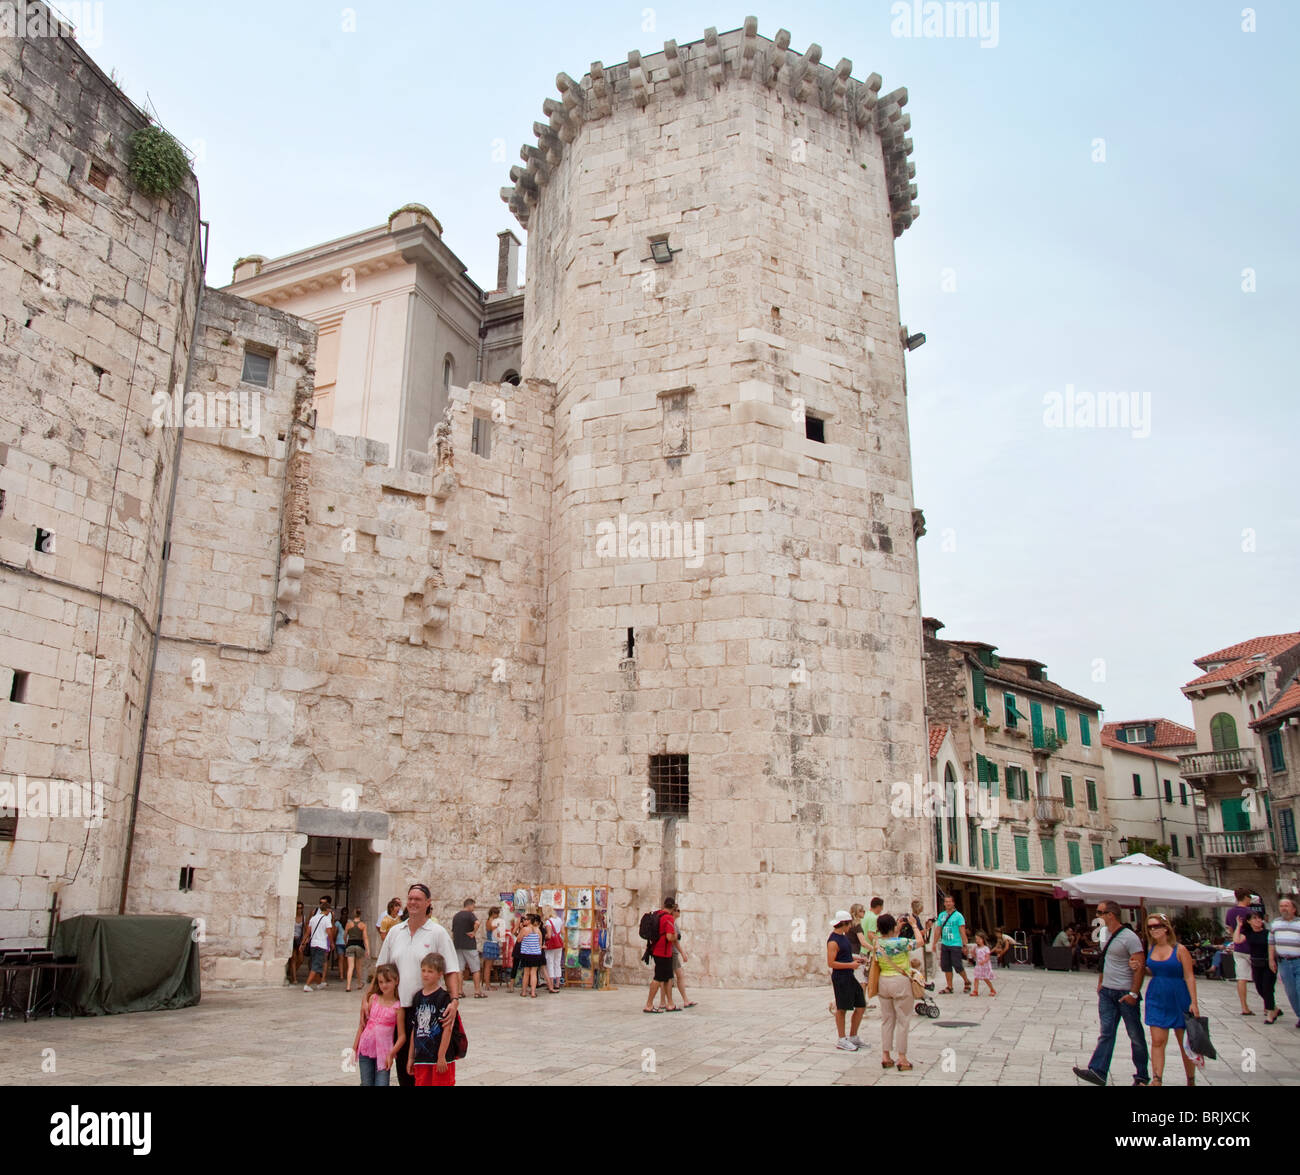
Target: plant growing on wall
[158,163]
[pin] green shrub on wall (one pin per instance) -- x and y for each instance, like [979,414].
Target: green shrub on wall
[158,163]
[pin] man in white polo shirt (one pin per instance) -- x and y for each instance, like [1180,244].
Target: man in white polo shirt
[1284,952]
[406,944]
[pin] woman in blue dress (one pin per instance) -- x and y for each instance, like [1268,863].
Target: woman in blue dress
[1170,996]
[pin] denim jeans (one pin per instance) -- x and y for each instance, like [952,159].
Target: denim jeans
[1288,971]
[369,1071]
[1111,1012]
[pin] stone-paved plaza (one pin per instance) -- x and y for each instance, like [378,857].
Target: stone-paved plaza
[1038,1026]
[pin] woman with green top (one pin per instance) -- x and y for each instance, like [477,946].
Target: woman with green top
[892,956]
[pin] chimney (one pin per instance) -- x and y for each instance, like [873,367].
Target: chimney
[507,261]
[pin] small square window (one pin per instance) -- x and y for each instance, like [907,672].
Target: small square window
[187,879]
[480,438]
[18,687]
[8,823]
[814,428]
[257,369]
[670,785]
[98,176]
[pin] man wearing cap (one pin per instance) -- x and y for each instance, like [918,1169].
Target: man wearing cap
[842,961]
[407,943]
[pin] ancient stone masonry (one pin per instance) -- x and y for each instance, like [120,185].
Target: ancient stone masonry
[648,618]
[745,393]
[713,62]
[98,292]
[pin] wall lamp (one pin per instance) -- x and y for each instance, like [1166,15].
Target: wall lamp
[914,341]
[661,252]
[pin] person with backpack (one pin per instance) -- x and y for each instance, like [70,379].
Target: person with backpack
[434,1045]
[660,933]
[1119,997]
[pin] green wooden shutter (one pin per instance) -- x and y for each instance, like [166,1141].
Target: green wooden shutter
[992,769]
[980,691]
[1173,844]
[1276,759]
[995,852]
[1098,857]
[984,842]
[1049,855]
[981,769]
[1085,731]
[1092,795]
[1022,853]
[1234,815]
[1067,790]
[972,844]
[1061,731]
[1009,706]
[1169,791]
[1072,851]
[1223,732]
[1036,722]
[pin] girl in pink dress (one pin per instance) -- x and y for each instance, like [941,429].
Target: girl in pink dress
[381,1035]
[983,966]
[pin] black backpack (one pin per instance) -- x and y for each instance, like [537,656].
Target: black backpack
[459,1044]
[649,930]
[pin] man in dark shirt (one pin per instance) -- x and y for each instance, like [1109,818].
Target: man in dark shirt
[463,928]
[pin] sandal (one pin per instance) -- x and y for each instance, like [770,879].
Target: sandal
[674,1008]
[904,1066]
[1248,1013]
[692,1004]
[886,1064]
[652,1011]
[1155,1081]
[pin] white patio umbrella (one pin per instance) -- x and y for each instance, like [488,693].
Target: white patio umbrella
[1141,880]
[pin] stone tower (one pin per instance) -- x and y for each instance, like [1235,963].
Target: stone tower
[732,600]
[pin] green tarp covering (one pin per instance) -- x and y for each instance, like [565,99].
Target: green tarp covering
[130,963]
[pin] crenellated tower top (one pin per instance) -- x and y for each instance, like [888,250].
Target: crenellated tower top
[717,60]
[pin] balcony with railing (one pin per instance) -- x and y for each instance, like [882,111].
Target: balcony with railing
[1049,809]
[1202,764]
[1253,842]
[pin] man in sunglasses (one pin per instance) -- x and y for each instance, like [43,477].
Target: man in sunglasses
[1119,997]
[406,944]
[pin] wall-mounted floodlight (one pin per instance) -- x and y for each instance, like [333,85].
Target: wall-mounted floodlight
[661,252]
[914,341]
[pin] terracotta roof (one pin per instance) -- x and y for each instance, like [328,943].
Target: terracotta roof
[1288,703]
[1048,688]
[1241,658]
[1143,749]
[937,735]
[1168,734]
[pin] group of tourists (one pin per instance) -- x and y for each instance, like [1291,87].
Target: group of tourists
[326,939]
[1267,953]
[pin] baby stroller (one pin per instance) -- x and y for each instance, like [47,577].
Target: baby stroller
[925,1004]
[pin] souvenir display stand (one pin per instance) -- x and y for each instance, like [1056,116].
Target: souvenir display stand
[584,910]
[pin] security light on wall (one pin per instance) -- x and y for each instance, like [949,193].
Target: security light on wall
[661,252]
[914,341]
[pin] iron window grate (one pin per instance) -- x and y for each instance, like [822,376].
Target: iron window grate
[670,785]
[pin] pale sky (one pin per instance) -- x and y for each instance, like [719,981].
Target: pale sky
[1094,187]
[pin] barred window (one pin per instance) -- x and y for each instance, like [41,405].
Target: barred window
[670,785]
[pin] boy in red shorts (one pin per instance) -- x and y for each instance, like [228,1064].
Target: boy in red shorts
[430,1041]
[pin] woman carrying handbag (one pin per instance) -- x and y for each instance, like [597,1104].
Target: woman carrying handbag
[1171,995]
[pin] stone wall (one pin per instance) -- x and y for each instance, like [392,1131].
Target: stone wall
[400,704]
[782,656]
[98,288]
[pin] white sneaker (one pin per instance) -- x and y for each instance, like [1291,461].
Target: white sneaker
[847,1045]
[323,985]
[308,987]
[853,1040]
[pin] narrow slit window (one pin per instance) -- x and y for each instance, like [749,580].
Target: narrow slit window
[186,879]
[480,439]
[631,644]
[18,687]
